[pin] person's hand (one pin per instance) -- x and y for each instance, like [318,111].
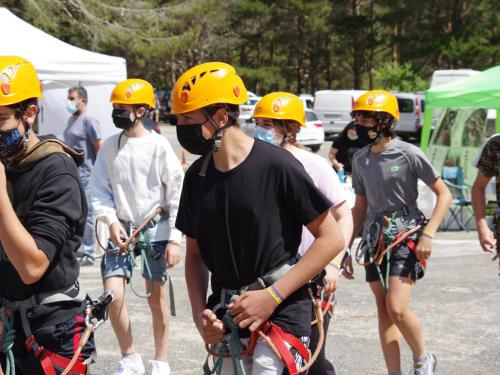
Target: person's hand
[348,270]
[3,178]
[253,308]
[424,248]
[118,234]
[172,254]
[487,240]
[210,328]
[331,279]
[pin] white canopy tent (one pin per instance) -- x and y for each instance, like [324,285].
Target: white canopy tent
[59,66]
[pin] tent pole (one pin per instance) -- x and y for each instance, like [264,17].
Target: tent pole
[497,122]
[426,129]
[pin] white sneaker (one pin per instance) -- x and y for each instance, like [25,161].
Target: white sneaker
[131,365]
[427,366]
[160,368]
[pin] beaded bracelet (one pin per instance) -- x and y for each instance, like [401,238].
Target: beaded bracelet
[175,242]
[334,264]
[274,295]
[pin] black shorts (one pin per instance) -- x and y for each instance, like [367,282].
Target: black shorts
[404,263]
[62,339]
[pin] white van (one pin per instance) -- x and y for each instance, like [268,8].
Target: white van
[410,114]
[443,77]
[334,108]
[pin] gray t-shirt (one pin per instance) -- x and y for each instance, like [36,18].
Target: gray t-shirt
[81,132]
[389,179]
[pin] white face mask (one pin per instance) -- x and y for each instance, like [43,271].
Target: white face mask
[71,107]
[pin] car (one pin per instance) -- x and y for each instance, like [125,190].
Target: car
[410,115]
[307,100]
[334,108]
[313,134]
[247,108]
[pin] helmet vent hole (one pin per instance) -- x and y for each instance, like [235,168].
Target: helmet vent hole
[186,87]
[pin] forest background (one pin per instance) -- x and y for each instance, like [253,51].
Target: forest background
[292,45]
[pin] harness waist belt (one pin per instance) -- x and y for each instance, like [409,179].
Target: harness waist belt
[262,282]
[73,293]
[403,211]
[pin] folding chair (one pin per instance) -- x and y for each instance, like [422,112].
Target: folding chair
[461,206]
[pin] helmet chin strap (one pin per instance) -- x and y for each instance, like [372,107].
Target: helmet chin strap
[219,132]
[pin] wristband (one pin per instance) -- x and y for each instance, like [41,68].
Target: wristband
[427,234]
[274,295]
[278,293]
[175,242]
[335,264]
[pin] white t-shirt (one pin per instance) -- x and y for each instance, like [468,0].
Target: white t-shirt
[325,179]
[130,182]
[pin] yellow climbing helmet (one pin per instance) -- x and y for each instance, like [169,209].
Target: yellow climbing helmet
[207,84]
[377,101]
[134,91]
[18,80]
[281,106]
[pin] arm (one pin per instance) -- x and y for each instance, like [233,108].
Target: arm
[97,145]
[424,245]
[486,237]
[342,214]
[358,215]
[254,308]
[333,159]
[172,178]
[210,328]
[20,247]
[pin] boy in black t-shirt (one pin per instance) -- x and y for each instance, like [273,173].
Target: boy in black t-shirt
[242,209]
[42,219]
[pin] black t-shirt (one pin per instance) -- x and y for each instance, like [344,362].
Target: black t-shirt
[249,220]
[346,150]
[55,217]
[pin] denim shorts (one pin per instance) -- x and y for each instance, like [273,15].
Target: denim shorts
[119,264]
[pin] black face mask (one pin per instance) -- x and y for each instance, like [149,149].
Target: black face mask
[121,119]
[191,138]
[366,135]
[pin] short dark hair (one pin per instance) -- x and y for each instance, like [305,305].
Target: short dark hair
[20,107]
[80,91]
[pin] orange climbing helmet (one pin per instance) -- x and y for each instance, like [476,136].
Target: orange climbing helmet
[134,91]
[18,80]
[207,84]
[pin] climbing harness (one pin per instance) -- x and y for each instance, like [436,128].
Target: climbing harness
[139,244]
[96,313]
[381,241]
[279,341]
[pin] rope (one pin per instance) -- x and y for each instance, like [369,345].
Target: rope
[8,340]
[229,348]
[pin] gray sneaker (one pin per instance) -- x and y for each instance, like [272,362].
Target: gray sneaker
[86,261]
[425,367]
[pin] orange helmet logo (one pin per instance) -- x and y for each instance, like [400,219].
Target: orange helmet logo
[5,88]
[6,77]
[184,96]
[277,105]
[236,90]
[131,89]
[370,100]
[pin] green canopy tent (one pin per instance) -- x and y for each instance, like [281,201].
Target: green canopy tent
[479,91]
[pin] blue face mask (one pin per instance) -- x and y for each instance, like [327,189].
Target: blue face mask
[11,143]
[71,107]
[268,136]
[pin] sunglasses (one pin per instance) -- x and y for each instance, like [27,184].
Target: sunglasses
[365,114]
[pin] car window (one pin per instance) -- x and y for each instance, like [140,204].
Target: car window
[422,106]
[405,105]
[311,116]
[251,101]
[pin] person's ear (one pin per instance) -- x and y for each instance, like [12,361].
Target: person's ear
[30,114]
[140,112]
[221,117]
